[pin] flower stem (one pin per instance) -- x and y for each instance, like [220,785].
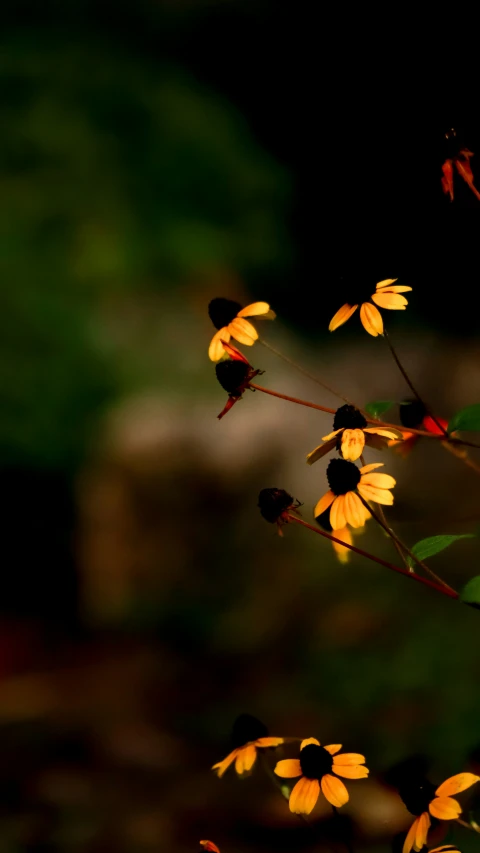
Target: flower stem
[412,556]
[474,827]
[370,420]
[305,372]
[290,399]
[445,590]
[410,383]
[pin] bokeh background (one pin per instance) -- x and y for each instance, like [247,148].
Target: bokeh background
[154,155]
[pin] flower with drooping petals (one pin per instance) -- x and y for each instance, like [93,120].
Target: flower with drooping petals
[228,317]
[316,766]
[387,295]
[248,735]
[423,800]
[351,434]
[345,480]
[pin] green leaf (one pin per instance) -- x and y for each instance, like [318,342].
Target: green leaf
[378,407]
[434,544]
[470,593]
[466,419]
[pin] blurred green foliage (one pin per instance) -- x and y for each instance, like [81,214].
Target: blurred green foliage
[115,177]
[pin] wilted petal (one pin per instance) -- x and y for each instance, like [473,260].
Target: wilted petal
[353,442]
[320,451]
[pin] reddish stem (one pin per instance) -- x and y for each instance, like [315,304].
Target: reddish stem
[450,593]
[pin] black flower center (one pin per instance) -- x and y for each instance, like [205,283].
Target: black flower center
[315,761]
[348,417]
[324,521]
[232,376]
[272,502]
[417,794]
[342,476]
[412,413]
[223,311]
[247,728]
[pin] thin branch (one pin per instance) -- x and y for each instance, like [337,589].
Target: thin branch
[305,372]
[412,556]
[412,575]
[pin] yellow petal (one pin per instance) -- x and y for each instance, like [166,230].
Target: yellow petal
[387,432]
[445,808]
[385,282]
[304,796]
[371,319]
[337,513]
[359,771]
[370,467]
[334,791]
[395,288]
[423,825]
[245,759]
[288,768]
[216,348]
[254,309]
[223,765]
[323,503]
[320,451]
[348,759]
[392,301]
[333,748]
[445,848]
[343,314]
[379,481]
[353,442]
[342,553]
[355,512]
[379,496]
[456,784]
[410,839]
[243,331]
[331,434]
[265,742]
[309,740]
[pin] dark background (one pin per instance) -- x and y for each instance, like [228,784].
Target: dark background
[155,155]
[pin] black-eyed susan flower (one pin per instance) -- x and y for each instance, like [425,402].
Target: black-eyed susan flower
[234,376]
[210,846]
[275,504]
[229,318]
[345,480]
[387,295]
[343,533]
[248,736]
[350,435]
[316,766]
[424,801]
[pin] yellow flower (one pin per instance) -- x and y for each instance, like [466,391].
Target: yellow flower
[229,318]
[315,767]
[345,479]
[387,295]
[351,434]
[248,735]
[422,800]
